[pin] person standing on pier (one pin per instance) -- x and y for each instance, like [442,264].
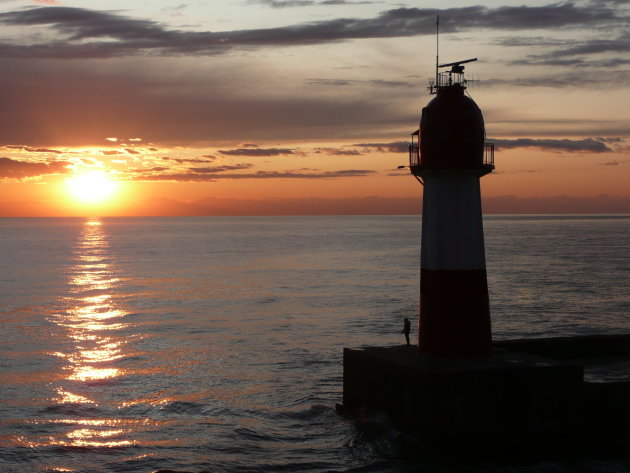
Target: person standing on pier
[407,329]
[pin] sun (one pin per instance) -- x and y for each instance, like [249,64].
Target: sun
[91,188]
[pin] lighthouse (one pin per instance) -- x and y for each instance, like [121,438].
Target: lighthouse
[448,156]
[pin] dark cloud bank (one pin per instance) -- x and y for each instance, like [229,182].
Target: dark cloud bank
[89,33]
[83,101]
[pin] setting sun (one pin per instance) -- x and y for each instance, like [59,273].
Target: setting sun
[94,187]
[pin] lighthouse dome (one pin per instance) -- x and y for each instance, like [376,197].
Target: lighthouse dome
[452,131]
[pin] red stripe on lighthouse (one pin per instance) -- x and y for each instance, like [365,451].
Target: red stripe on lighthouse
[454,313]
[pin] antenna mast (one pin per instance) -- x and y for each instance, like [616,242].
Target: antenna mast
[437,48]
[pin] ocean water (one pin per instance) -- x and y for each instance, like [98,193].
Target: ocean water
[215,344]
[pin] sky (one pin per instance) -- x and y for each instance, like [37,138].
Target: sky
[274,107]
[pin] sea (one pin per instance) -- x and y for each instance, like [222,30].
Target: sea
[214,344]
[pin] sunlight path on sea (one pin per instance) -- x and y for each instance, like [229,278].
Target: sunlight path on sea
[93,322]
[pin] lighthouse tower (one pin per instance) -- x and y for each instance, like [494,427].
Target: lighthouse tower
[448,155]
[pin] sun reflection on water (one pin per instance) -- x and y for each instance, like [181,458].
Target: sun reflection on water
[94,322]
[93,310]
[93,433]
[88,373]
[65,397]
[96,438]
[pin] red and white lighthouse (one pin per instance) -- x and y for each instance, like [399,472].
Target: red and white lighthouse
[448,155]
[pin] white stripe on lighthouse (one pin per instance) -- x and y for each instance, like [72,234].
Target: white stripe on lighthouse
[452,228]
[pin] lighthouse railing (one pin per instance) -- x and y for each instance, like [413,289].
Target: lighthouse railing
[488,154]
[415,160]
[414,149]
[414,154]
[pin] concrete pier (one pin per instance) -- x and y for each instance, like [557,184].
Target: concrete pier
[528,389]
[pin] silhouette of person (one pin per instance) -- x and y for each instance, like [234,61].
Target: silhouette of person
[407,329]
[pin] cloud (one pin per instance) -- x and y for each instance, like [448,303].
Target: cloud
[197,175]
[99,34]
[583,127]
[393,147]
[613,139]
[199,170]
[614,163]
[304,3]
[284,3]
[571,53]
[204,159]
[34,150]
[528,41]
[220,169]
[251,151]
[589,145]
[618,78]
[609,2]
[176,10]
[575,53]
[15,169]
[621,44]
[338,151]
[353,82]
[157,173]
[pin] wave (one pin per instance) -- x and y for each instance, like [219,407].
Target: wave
[74,409]
[183,407]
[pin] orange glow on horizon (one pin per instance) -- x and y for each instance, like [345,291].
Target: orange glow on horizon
[533,178]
